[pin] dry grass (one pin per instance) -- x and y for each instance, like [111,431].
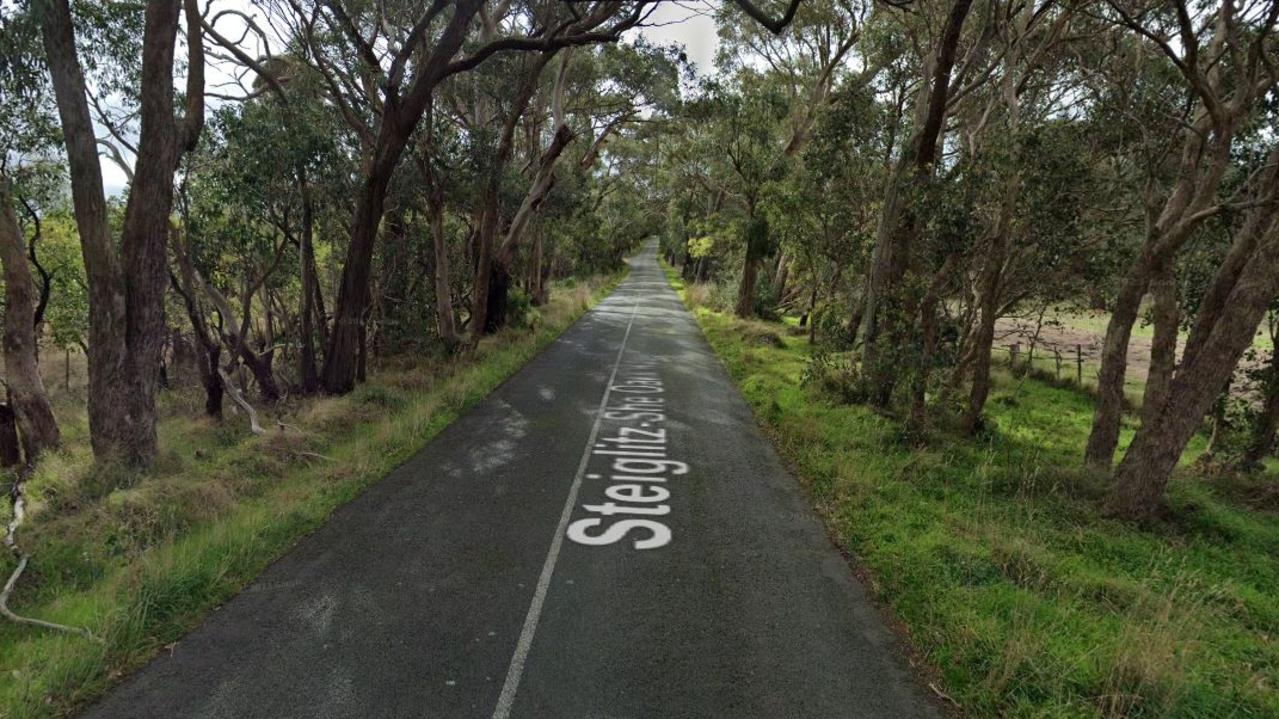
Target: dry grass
[139,557]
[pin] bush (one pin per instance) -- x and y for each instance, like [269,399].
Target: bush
[519,308]
[834,374]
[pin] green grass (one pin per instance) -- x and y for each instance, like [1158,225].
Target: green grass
[140,566]
[996,558]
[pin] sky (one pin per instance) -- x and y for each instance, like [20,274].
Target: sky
[689,24]
[685,22]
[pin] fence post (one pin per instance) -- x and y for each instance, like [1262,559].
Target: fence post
[1079,365]
[1057,357]
[1014,349]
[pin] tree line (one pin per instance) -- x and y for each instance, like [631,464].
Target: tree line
[308,182]
[314,182]
[904,175]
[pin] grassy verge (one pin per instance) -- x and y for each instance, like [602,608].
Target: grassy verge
[140,566]
[994,555]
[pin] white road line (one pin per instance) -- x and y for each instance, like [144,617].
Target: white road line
[507,698]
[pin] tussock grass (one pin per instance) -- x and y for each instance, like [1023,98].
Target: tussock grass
[995,555]
[139,566]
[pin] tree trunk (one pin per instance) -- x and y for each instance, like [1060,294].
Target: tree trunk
[1262,442]
[1146,467]
[502,269]
[308,372]
[1163,348]
[362,359]
[780,275]
[126,293]
[1218,416]
[502,266]
[746,288]
[342,354]
[536,285]
[1109,406]
[928,331]
[983,342]
[756,239]
[10,450]
[499,287]
[108,412]
[399,119]
[886,313]
[444,315]
[27,397]
[263,374]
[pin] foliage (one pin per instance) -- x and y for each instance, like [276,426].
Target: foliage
[996,557]
[139,565]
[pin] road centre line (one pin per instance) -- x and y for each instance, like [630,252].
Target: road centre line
[506,699]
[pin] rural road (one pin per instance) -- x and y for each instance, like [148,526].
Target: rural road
[606,535]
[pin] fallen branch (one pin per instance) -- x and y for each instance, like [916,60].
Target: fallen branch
[11,541]
[941,694]
[238,397]
[285,427]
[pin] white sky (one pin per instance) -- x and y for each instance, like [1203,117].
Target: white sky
[689,23]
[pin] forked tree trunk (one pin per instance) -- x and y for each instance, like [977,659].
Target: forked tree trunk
[126,291]
[504,259]
[30,403]
[1147,466]
[485,317]
[399,119]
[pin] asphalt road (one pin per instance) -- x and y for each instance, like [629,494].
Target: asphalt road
[607,535]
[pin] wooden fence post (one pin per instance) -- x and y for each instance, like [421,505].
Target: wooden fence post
[1079,365]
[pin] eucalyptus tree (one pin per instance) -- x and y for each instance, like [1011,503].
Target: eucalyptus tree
[829,240]
[745,114]
[26,137]
[1223,57]
[595,94]
[382,66]
[887,319]
[126,287]
[1004,129]
[245,217]
[806,62]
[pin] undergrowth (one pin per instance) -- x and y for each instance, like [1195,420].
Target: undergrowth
[996,557]
[139,566]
